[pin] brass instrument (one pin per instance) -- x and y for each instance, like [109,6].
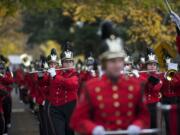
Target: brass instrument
[26,59]
[170,74]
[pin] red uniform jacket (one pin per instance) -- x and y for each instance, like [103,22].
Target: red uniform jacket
[42,88]
[63,87]
[19,77]
[171,88]
[3,93]
[32,80]
[114,106]
[84,76]
[6,81]
[152,91]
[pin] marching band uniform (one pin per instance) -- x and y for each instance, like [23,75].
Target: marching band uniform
[41,83]
[6,80]
[87,74]
[41,99]
[102,103]
[105,105]
[7,100]
[19,78]
[3,93]
[152,89]
[63,87]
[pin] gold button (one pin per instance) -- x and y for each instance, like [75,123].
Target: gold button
[118,122]
[103,114]
[115,96]
[130,88]
[99,97]
[129,113]
[101,106]
[130,105]
[130,96]
[117,113]
[116,104]
[114,88]
[97,89]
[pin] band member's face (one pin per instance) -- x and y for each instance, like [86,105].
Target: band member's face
[53,65]
[151,66]
[128,67]
[114,66]
[67,63]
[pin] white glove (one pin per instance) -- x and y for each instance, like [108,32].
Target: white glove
[127,68]
[134,130]
[40,74]
[52,72]
[136,73]
[175,18]
[98,130]
[34,100]
[43,103]
[93,73]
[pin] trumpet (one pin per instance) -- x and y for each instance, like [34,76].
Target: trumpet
[169,75]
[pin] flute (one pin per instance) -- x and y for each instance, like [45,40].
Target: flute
[55,69]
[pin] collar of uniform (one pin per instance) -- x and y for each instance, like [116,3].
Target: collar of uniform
[107,79]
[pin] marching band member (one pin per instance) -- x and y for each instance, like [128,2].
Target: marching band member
[152,86]
[112,102]
[47,80]
[88,72]
[129,69]
[63,87]
[3,93]
[171,85]
[6,80]
[41,83]
[79,65]
[141,66]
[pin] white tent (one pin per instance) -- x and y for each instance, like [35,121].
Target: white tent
[14,59]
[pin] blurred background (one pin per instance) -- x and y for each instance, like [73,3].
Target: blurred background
[36,26]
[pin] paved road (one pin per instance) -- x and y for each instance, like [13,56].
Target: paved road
[23,121]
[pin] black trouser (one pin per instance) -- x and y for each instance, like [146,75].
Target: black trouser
[178,116]
[23,94]
[42,122]
[168,101]
[20,93]
[2,124]
[7,107]
[153,114]
[48,129]
[60,117]
[31,103]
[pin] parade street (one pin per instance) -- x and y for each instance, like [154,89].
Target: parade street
[23,121]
